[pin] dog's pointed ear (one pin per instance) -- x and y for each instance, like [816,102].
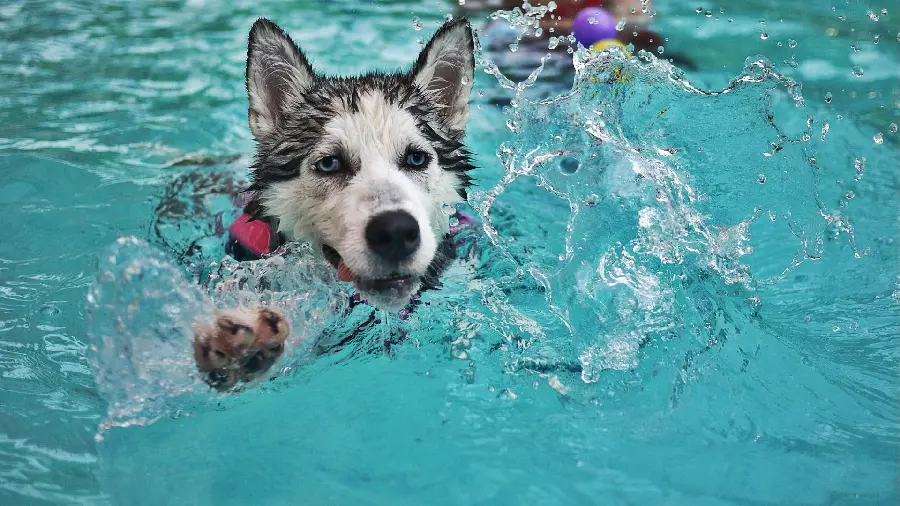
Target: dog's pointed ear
[445,70]
[277,72]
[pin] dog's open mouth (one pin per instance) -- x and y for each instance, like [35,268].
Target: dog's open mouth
[394,282]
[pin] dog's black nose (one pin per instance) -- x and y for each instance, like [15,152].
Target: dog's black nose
[393,235]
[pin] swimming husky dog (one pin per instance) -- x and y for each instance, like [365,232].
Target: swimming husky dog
[359,167]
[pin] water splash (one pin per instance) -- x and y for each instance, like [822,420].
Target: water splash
[141,310]
[669,240]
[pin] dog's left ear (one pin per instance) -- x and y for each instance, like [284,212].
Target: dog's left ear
[277,73]
[445,70]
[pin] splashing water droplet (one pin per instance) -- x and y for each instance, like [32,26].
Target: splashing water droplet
[893,128]
[792,43]
[884,12]
[417,23]
[49,310]
[553,43]
[878,138]
[872,15]
[828,97]
[858,72]
[825,128]
[764,36]
[860,165]
[569,165]
[761,179]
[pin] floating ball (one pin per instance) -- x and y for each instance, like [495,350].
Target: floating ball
[608,43]
[593,24]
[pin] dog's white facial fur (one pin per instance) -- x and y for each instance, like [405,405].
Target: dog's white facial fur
[384,118]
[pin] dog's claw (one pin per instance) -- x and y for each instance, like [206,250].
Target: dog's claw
[239,344]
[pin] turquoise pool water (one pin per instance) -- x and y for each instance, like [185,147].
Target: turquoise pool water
[704,312]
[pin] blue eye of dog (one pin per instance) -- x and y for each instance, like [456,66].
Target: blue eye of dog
[329,164]
[416,159]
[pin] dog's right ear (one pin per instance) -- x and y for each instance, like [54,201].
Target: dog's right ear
[277,72]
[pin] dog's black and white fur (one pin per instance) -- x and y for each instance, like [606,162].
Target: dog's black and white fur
[358,166]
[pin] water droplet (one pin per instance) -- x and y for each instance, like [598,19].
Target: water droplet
[462,2]
[448,209]
[764,36]
[779,44]
[448,17]
[699,10]
[730,20]
[49,310]
[872,15]
[620,25]
[417,23]
[879,139]
[828,97]
[842,17]
[761,179]
[854,47]
[592,20]
[884,12]
[860,165]
[792,43]
[454,221]
[825,129]
[708,14]
[858,72]
[849,195]
[876,38]
[660,50]
[554,42]
[893,128]
[840,117]
[569,165]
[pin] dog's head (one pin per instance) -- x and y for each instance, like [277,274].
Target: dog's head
[361,166]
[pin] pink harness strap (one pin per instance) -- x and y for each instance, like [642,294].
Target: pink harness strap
[254,235]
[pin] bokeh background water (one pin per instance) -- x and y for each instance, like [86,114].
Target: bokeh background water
[705,312]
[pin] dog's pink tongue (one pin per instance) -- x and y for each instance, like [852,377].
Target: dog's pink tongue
[344,272]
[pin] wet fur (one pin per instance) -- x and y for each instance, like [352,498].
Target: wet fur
[370,123]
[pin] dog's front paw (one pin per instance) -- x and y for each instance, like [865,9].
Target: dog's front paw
[239,344]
